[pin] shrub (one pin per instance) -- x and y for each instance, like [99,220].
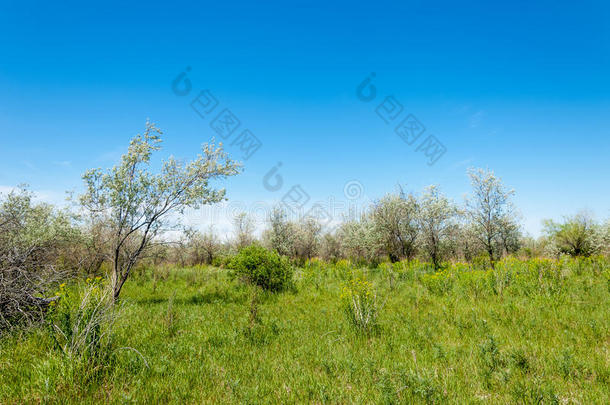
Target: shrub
[221,261]
[343,269]
[579,235]
[259,266]
[440,282]
[34,238]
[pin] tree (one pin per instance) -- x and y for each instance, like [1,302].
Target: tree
[181,248]
[395,223]
[330,248]
[576,236]
[532,247]
[244,229]
[358,240]
[511,237]
[280,235]
[138,201]
[207,247]
[490,212]
[307,238]
[605,238]
[437,219]
[464,245]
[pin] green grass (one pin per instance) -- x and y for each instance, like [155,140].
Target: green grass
[528,332]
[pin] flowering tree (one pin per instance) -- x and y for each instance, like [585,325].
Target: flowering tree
[137,201]
[395,219]
[307,238]
[243,226]
[358,239]
[491,212]
[437,218]
[280,236]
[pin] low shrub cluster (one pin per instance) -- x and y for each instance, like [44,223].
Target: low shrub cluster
[261,267]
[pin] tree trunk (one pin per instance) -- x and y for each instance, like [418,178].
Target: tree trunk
[491,257]
[118,280]
[118,286]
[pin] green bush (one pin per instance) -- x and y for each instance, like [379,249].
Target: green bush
[261,267]
[221,261]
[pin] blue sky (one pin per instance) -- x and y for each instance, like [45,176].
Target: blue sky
[521,88]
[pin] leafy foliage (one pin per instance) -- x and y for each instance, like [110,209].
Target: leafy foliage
[576,236]
[262,267]
[135,202]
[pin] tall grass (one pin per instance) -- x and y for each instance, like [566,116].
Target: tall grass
[80,324]
[534,331]
[361,305]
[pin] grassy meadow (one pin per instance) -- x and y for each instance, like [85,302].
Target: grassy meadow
[535,331]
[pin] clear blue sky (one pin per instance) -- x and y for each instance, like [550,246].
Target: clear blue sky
[522,88]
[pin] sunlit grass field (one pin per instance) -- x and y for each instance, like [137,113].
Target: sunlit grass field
[534,331]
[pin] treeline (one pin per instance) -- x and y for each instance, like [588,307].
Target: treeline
[404,226]
[120,221]
[41,245]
